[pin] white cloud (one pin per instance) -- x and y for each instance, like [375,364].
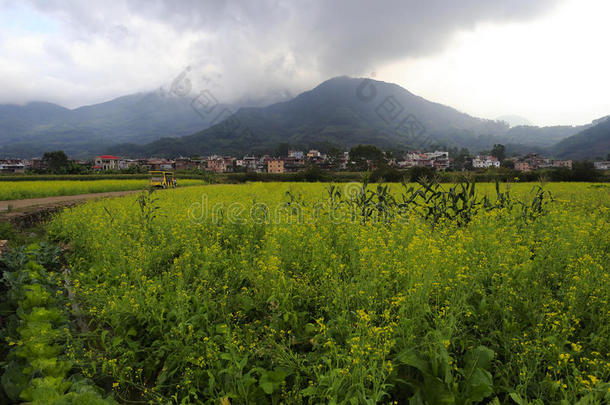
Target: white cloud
[485,57]
[551,71]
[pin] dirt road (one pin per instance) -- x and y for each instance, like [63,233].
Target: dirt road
[25,205]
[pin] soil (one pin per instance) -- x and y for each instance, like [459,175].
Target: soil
[26,212]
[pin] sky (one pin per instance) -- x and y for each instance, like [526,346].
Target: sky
[545,60]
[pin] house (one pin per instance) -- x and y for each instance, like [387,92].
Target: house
[562,163]
[37,164]
[185,164]
[297,154]
[250,163]
[522,166]
[275,166]
[293,164]
[229,163]
[485,161]
[126,163]
[216,164]
[534,161]
[107,162]
[12,166]
[314,154]
[604,165]
[156,164]
[438,159]
[219,164]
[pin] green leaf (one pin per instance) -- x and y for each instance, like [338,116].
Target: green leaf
[481,385]
[267,387]
[479,357]
[517,398]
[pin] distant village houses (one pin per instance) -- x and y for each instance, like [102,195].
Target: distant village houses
[438,160]
[534,161]
[293,161]
[485,162]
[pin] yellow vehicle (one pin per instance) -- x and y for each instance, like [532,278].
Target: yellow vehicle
[162,179]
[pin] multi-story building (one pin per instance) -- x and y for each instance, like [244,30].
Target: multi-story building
[185,164]
[275,166]
[297,154]
[314,154]
[12,166]
[292,164]
[107,162]
[605,165]
[562,163]
[250,162]
[522,166]
[37,164]
[485,161]
[158,164]
[216,164]
[534,161]
[219,164]
[438,159]
[126,163]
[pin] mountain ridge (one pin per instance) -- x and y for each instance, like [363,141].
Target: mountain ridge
[35,127]
[338,111]
[341,111]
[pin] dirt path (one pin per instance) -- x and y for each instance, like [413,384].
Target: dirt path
[25,205]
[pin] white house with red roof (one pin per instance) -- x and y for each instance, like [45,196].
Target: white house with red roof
[106,162]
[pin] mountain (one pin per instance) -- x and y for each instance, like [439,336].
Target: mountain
[590,143]
[37,127]
[543,137]
[514,120]
[342,111]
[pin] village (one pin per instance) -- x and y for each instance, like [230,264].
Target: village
[295,161]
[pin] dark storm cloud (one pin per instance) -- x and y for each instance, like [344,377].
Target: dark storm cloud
[277,44]
[339,35]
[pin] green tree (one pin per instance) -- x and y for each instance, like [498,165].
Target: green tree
[335,156]
[362,155]
[508,164]
[461,158]
[56,162]
[499,152]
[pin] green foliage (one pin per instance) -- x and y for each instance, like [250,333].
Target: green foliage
[317,308]
[459,204]
[148,207]
[498,151]
[587,143]
[56,162]
[363,156]
[7,231]
[36,370]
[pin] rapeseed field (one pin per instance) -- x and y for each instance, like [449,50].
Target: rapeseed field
[298,293]
[19,190]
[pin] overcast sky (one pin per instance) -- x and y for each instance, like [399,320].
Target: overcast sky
[546,60]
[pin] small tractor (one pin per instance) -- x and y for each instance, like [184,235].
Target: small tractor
[162,179]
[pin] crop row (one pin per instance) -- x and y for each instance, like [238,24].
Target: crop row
[17,190]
